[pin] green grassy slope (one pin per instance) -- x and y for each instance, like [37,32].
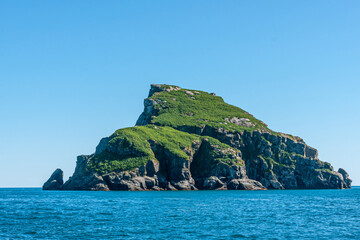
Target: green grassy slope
[196,108]
[129,148]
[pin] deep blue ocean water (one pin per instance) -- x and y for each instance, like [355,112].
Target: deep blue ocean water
[30,213]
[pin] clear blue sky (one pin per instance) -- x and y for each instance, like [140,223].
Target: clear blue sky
[72,72]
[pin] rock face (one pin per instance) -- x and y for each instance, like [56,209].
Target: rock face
[192,140]
[55,181]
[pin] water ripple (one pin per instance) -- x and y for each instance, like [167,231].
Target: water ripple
[303,214]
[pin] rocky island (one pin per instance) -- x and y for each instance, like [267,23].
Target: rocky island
[193,140]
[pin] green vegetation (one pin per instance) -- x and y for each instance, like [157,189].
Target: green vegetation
[108,162]
[229,161]
[130,147]
[264,139]
[173,140]
[272,162]
[284,154]
[323,170]
[223,153]
[196,108]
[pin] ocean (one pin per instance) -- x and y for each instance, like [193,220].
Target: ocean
[30,213]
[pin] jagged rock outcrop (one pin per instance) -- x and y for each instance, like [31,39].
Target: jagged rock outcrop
[192,140]
[55,181]
[82,179]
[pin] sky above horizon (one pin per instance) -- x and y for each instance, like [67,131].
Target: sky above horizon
[72,72]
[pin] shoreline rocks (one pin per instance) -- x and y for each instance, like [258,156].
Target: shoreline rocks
[55,181]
